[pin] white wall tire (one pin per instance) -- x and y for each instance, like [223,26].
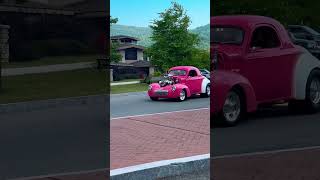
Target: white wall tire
[207,92]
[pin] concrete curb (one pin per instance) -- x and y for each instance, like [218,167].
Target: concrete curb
[166,171]
[124,83]
[52,103]
[130,93]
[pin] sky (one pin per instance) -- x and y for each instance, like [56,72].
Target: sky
[142,12]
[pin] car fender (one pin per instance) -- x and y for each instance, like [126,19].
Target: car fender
[305,64]
[204,84]
[182,86]
[223,82]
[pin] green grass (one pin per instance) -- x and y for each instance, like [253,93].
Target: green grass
[129,88]
[52,60]
[53,85]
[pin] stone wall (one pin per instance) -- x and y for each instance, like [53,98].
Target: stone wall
[4,43]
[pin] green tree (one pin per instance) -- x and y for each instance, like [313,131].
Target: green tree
[115,56]
[173,43]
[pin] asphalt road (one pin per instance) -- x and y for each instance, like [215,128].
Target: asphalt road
[59,140]
[139,103]
[268,129]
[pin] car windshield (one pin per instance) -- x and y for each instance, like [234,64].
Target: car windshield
[177,72]
[226,35]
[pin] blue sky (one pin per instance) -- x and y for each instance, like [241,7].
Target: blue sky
[142,12]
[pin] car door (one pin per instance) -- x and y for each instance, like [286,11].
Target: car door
[193,81]
[268,66]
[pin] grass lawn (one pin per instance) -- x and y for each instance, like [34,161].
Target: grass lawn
[53,85]
[129,88]
[52,60]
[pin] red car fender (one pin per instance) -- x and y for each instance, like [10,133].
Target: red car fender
[182,86]
[223,82]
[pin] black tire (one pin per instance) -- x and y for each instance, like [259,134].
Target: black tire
[180,99]
[154,98]
[206,94]
[226,120]
[312,104]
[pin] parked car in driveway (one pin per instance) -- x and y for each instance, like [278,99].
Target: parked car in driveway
[305,37]
[205,73]
[180,83]
[254,63]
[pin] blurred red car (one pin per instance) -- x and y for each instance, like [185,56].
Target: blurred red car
[256,63]
[180,83]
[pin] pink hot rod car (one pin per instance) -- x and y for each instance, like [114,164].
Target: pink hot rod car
[180,83]
[254,62]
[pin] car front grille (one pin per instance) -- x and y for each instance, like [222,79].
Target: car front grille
[161,93]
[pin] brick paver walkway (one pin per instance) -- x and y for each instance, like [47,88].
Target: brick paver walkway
[138,140]
[295,165]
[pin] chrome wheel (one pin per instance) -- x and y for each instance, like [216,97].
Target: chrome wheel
[315,91]
[182,96]
[232,107]
[208,90]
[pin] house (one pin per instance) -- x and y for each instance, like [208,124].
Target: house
[134,63]
[80,22]
[128,48]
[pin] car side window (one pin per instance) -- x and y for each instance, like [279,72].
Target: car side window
[264,37]
[192,73]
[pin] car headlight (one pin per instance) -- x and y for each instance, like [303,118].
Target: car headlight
[150,87]
[173,88]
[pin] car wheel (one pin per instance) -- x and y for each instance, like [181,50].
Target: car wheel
[182,95]
[232,109]
[154,98]
[312,100]
[207,93]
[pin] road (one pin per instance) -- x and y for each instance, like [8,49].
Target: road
[269,129]
[139,103]
[58,140]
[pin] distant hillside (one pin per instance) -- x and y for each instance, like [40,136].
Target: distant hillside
[144,33]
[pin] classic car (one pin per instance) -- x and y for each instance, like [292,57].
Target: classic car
[205,73]
[180,83]
[255,63]
[305,37]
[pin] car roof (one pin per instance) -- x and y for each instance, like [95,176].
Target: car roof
[241,20]
[183,67]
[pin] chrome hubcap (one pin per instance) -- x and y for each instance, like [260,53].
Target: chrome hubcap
[182,95]
[315,91]
[208,90]
[232,107]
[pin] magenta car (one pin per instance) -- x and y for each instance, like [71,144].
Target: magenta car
[256,63]
[180,83]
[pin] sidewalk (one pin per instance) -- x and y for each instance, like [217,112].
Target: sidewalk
[46,69]
[144,139]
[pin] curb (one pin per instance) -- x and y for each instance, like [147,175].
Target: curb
[129,93]
[165,171]
[52,103]
[124,83]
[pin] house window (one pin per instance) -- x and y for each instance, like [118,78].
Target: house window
[131,54]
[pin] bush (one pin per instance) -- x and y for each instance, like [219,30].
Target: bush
[157,74]
[119,77]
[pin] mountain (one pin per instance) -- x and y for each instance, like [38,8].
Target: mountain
[144,33]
